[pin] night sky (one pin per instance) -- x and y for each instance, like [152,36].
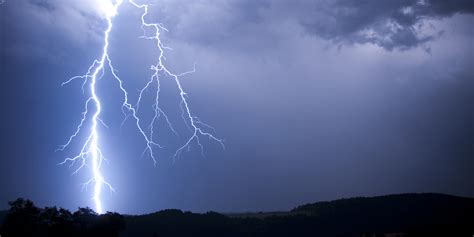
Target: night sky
[316,100]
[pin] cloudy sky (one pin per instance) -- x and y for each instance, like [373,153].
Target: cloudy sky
[316,100]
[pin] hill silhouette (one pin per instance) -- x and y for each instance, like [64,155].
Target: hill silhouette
[391,215]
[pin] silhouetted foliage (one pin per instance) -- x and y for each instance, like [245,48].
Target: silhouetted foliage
[25,219]
[408,214]
[411,214]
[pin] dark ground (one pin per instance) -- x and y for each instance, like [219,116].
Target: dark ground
[405,214]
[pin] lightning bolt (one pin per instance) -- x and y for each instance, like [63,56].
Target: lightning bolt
[90,153]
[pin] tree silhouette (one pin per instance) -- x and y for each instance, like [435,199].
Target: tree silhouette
[412,214]
[25,219]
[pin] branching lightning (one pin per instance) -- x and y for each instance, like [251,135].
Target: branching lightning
[90,153]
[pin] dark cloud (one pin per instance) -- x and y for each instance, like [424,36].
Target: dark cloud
[314,121]
[398,24]
[395,24]
[260,24]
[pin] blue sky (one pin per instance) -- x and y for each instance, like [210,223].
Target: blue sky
[316,100]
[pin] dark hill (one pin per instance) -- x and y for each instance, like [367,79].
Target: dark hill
[415,214]
[392,215]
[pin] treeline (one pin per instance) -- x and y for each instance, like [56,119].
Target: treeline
[406,214]
[25,219]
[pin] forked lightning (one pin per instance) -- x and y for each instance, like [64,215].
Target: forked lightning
[90,154]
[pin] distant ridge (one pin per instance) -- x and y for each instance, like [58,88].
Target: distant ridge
[393,199]
[422,214]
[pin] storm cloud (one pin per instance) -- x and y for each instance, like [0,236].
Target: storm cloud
[397,24]
[316,100]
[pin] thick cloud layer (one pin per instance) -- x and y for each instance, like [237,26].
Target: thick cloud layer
[397,24]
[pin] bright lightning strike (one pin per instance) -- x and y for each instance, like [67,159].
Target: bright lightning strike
[90,153]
